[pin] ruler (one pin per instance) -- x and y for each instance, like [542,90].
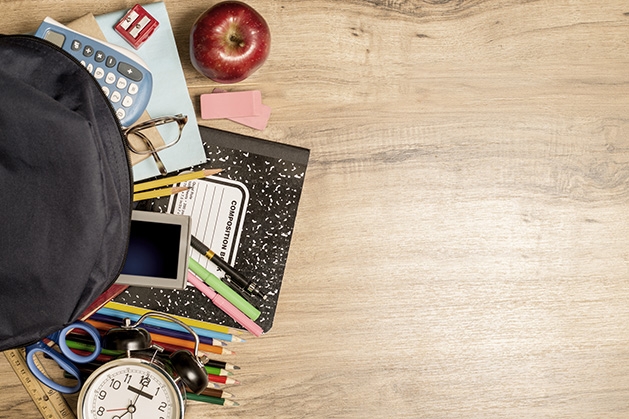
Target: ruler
[50,403]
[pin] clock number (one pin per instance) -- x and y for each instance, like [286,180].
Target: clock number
[102,394]
[157,391]
[145,381]
[127,378]
[162,407]
[100,411]
[115,384]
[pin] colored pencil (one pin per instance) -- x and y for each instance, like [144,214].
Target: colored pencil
[158,193]
[173,348]
[170,343]
[159,330]
[89,348]
[217,393]
[225,305]
[218,371]
[83,345]
[212,390]
[86,370]
[111,292]
[171,180]
[190,322]
[210,399]
[168,325]
[221,364]
[221,379]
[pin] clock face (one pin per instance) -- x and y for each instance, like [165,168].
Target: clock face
[130,388]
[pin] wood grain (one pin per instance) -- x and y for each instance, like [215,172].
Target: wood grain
[461,248]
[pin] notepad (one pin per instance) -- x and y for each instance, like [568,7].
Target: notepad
[231,104]
[245,108]
[170,91]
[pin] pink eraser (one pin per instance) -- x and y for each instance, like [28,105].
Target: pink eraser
[231,104]
[258,122]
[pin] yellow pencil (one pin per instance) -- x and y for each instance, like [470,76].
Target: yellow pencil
[171,180]
[156,193]
[190,322]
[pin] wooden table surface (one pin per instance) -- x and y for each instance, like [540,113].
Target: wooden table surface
[462,243]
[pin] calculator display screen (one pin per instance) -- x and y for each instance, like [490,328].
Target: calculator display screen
[55,37]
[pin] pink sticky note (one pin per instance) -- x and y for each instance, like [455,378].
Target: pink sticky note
[231,104]
[257,122]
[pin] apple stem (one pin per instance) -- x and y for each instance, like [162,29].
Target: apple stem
[236,39]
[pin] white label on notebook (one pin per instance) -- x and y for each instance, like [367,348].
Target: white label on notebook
[217,207]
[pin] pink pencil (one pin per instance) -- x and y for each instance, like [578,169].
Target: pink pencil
[225,305]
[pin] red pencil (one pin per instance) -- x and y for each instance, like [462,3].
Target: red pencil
[221,379]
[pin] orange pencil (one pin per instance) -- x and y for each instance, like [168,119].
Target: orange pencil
[157,338]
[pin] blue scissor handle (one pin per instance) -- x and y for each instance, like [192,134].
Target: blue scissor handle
[60,338]
[64,359]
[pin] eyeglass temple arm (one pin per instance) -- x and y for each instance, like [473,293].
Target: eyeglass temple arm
[158,160]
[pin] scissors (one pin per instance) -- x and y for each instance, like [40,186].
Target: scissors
[66,358]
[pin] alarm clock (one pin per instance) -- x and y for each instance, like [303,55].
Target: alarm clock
[140,383]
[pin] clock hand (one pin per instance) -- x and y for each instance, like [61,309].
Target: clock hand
[140,392]
[129,409]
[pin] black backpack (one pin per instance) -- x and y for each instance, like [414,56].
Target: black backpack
[66,190]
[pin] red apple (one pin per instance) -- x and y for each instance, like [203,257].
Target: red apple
[229,42]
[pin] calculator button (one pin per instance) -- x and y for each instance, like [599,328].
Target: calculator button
[122,83]
[88,51]
[133,89]
[115,97]
[90,67]
[99,56]
[120,113]
[110,78]
[75,45]
[127,101]
[129,71]
[106,91]
[110,62]
[99,73]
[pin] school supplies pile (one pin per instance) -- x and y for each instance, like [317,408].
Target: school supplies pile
[245,215]
[172,336]
[68,185]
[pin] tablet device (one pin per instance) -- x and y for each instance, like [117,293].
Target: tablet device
[158,251]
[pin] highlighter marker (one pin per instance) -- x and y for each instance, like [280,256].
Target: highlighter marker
[225,305]
[223,289]
[232,275]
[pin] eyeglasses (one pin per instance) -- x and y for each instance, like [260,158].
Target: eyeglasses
[170,129]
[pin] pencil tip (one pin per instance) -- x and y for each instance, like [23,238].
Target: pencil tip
[210,172]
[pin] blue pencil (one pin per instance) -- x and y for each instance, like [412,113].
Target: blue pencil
[114,321]
[165,324]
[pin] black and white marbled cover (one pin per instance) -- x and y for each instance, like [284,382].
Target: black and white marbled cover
[274,175]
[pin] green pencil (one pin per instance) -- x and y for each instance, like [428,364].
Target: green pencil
[223,289]
[210,399]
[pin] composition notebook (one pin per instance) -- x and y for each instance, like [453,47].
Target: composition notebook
[245,214]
